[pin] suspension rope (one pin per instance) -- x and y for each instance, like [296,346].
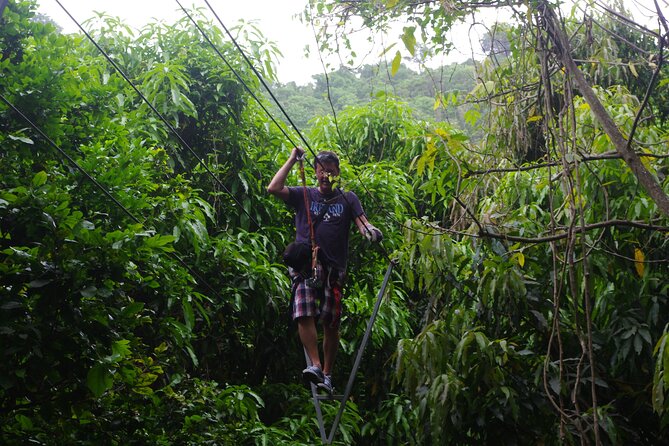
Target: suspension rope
[310,222]
[256,72]
[325,438]
[237,75]
[160,116]
[259,76]
[103,189]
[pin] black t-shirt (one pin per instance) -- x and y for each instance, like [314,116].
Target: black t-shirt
[331,215]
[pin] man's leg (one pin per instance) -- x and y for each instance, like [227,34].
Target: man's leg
[330,347]
[306,328]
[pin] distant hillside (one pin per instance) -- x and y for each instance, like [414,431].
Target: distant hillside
[348,87]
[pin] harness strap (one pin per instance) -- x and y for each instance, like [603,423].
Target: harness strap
[312,234]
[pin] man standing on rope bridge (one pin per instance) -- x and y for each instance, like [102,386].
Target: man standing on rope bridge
[317,259]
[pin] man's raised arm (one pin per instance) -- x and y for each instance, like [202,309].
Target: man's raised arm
[277,186]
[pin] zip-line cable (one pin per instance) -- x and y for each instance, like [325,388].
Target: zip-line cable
[71,160]
[237,75]
[258,75]
[162,118]
[102,188]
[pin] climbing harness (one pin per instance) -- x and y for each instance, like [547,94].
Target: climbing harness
[313,281]
[327,438]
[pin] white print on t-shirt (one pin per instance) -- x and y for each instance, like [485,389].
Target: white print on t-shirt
[333,210]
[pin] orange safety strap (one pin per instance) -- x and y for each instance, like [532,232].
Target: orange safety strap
[312,234]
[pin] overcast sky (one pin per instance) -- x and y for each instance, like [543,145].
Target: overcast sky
[274,18]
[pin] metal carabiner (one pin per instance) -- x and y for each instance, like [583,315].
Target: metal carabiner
[314,281]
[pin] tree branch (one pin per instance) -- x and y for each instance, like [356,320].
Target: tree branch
[562,47]
[585,158]
[483,233]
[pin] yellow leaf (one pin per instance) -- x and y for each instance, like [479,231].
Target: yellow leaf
[391,3]
[638,261]
[437,102]
[395,65]
[534,118]
[633,70]
[427,158]
[521,259]
[441,132]
[646,161]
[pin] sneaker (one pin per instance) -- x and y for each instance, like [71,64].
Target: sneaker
[326,385]
[313,374]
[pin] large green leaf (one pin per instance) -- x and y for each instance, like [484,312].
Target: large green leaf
[99,379]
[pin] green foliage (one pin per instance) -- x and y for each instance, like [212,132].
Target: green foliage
[661,378]
[393,423]
[187,412]
[382,130]
[467,387]
[522,290]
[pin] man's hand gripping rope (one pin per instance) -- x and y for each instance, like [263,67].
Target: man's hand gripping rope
[373,234]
